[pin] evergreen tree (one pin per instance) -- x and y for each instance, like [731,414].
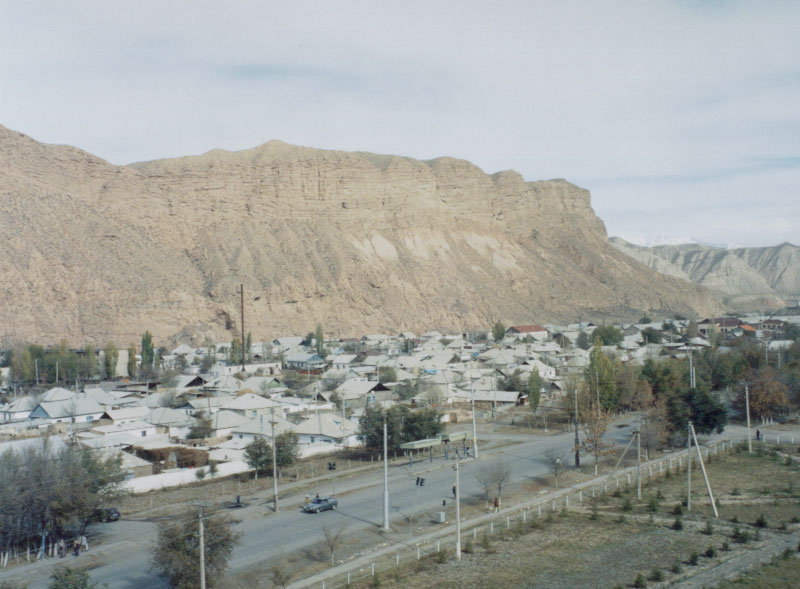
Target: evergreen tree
[498,332]
[148,352]
[110,357]
[132,361]
[600,377]
[534,389]
[319,339]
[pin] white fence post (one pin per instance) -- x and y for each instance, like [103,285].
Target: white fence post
[491,527]
[348,578]
[373,569]
[397,559]
[508,522]
[417,552]
[540,509]
[566,501]
[438,545]
[523,517]
[580,496]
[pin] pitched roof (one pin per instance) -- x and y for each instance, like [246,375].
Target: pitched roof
[355,389]
[249,401]
[70,408]
[525,329]
[327,424]
[264,426]
[227,419]
[169,417]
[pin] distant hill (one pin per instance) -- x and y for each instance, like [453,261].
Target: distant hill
[356,242]
[748,277]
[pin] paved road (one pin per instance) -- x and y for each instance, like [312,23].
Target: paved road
[123,557]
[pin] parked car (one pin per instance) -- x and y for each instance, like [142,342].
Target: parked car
[320,504]
[106,514]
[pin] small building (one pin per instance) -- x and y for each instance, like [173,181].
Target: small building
[305,362]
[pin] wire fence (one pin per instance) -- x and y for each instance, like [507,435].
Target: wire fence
[441,548]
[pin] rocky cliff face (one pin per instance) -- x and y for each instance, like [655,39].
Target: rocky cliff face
[357,242]
[748,277]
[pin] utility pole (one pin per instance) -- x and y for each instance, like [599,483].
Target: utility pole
[274,460]
[241,299]
[689,469]
[597,385]
[385,475]
[577,440]
[747,410]
[474,427]
[703,470]
[639,461]
[202,553]
[36,363]
[458,512]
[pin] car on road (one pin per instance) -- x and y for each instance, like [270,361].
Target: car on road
[320,504]
[106,514]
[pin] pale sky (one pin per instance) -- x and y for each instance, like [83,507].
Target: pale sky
[682,118]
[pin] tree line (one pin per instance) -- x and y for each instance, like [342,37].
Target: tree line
[48,493]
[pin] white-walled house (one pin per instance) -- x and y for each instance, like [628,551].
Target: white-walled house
[262,427]
[328,430]
[75,410]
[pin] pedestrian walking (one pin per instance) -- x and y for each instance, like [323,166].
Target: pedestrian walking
[758,434]
[308,499]
[467,451]
[62,548]
[496,505]
[76,547]
[84,543]
[454,491]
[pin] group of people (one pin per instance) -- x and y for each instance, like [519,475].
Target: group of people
[77,544]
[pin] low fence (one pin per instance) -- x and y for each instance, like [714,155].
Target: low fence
[391,559]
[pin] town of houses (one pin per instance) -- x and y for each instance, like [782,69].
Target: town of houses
[287,387]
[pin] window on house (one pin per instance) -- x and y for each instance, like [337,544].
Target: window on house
[312,439]
[89,417]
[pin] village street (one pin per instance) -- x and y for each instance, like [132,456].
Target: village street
[121,558]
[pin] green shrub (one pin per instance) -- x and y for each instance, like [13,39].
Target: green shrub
[656,576]
[676,567]
[485,543]
[639,581]
[694,558]
[794,520]
[734,520]
[677,524]
[709,529]
[593,515]
[652,506]
[740,536]
[677,510]
[469,547]
[736,492]
[710,552]
[782,527]
[725,546]
[786,554]
[761,522]
[627,505]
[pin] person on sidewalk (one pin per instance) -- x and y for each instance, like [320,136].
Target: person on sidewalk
[758,435]
[496,505]
[454,491]
[76,547]
[84,543]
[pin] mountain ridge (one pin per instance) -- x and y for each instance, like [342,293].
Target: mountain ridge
[745,275]
[315,236]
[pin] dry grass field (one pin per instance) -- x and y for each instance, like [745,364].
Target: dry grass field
[624,542]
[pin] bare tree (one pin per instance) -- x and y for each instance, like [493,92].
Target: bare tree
[492,476]
[554,463]
[486,481]
[595,426]
[501,472]
[280,576]
[332,538]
